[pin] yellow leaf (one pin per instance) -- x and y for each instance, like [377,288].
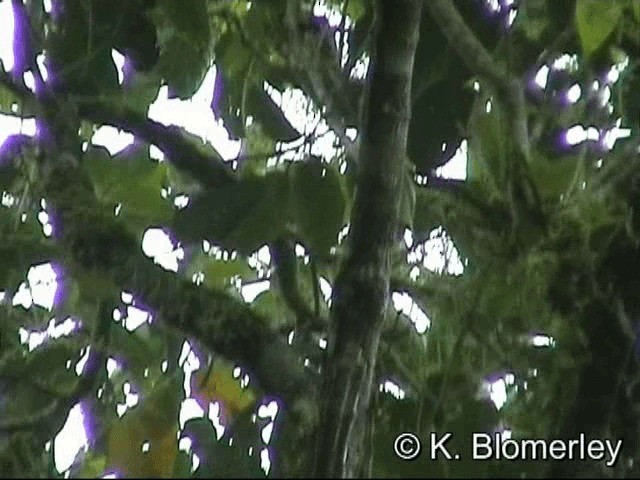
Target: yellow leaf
[143,443]
[93,467]
[137,449]
[221,386]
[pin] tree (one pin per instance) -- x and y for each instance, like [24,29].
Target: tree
[547,229]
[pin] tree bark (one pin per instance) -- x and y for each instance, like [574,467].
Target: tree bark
[361,290]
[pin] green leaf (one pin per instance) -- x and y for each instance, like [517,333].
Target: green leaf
[553,177]
[133,180]
[241,216]
[235,84]
[7,100]
[218,458]
[136,352]
[270,116]
[595,21]
[273,307]
[81,47]
[141,91]
[430,208]
[217,272]
[317,203]
[489,144]
[185,40]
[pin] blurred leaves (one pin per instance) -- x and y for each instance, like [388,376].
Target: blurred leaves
[259,208]
[218,384]
[133,181]
[481,321]
[143,443]
[317,202]
[185,40]
[240,216]
[595,21]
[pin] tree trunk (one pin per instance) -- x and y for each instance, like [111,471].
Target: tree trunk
[361,290]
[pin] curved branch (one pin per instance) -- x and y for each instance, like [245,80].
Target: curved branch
[286,271]
[222,323]
[185,155]
[217,320]
[475,55]
[209,169]
[465,43]
[47,420]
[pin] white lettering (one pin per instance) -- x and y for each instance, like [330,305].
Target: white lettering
[439,445]
[538,449]
[557,450]
[482,440]
[595,450]
[613,453]
[495,447]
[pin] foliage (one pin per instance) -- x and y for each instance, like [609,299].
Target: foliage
[549,240]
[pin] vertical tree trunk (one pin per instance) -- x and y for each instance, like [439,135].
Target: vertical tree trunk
[361,290]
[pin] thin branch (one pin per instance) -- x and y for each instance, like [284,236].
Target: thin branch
[46,419]
[475,55]
[286,271]
[317,88]
[185,155]
[465,43]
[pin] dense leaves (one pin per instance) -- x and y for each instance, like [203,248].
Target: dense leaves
[537,295]
[184,38]
[596,21]
[143,442]
[318,203]
[240,216]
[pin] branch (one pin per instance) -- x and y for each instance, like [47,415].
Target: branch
[222,323]
[286,272]
[47,421]
[475,55]
[209,170]
[361,289]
